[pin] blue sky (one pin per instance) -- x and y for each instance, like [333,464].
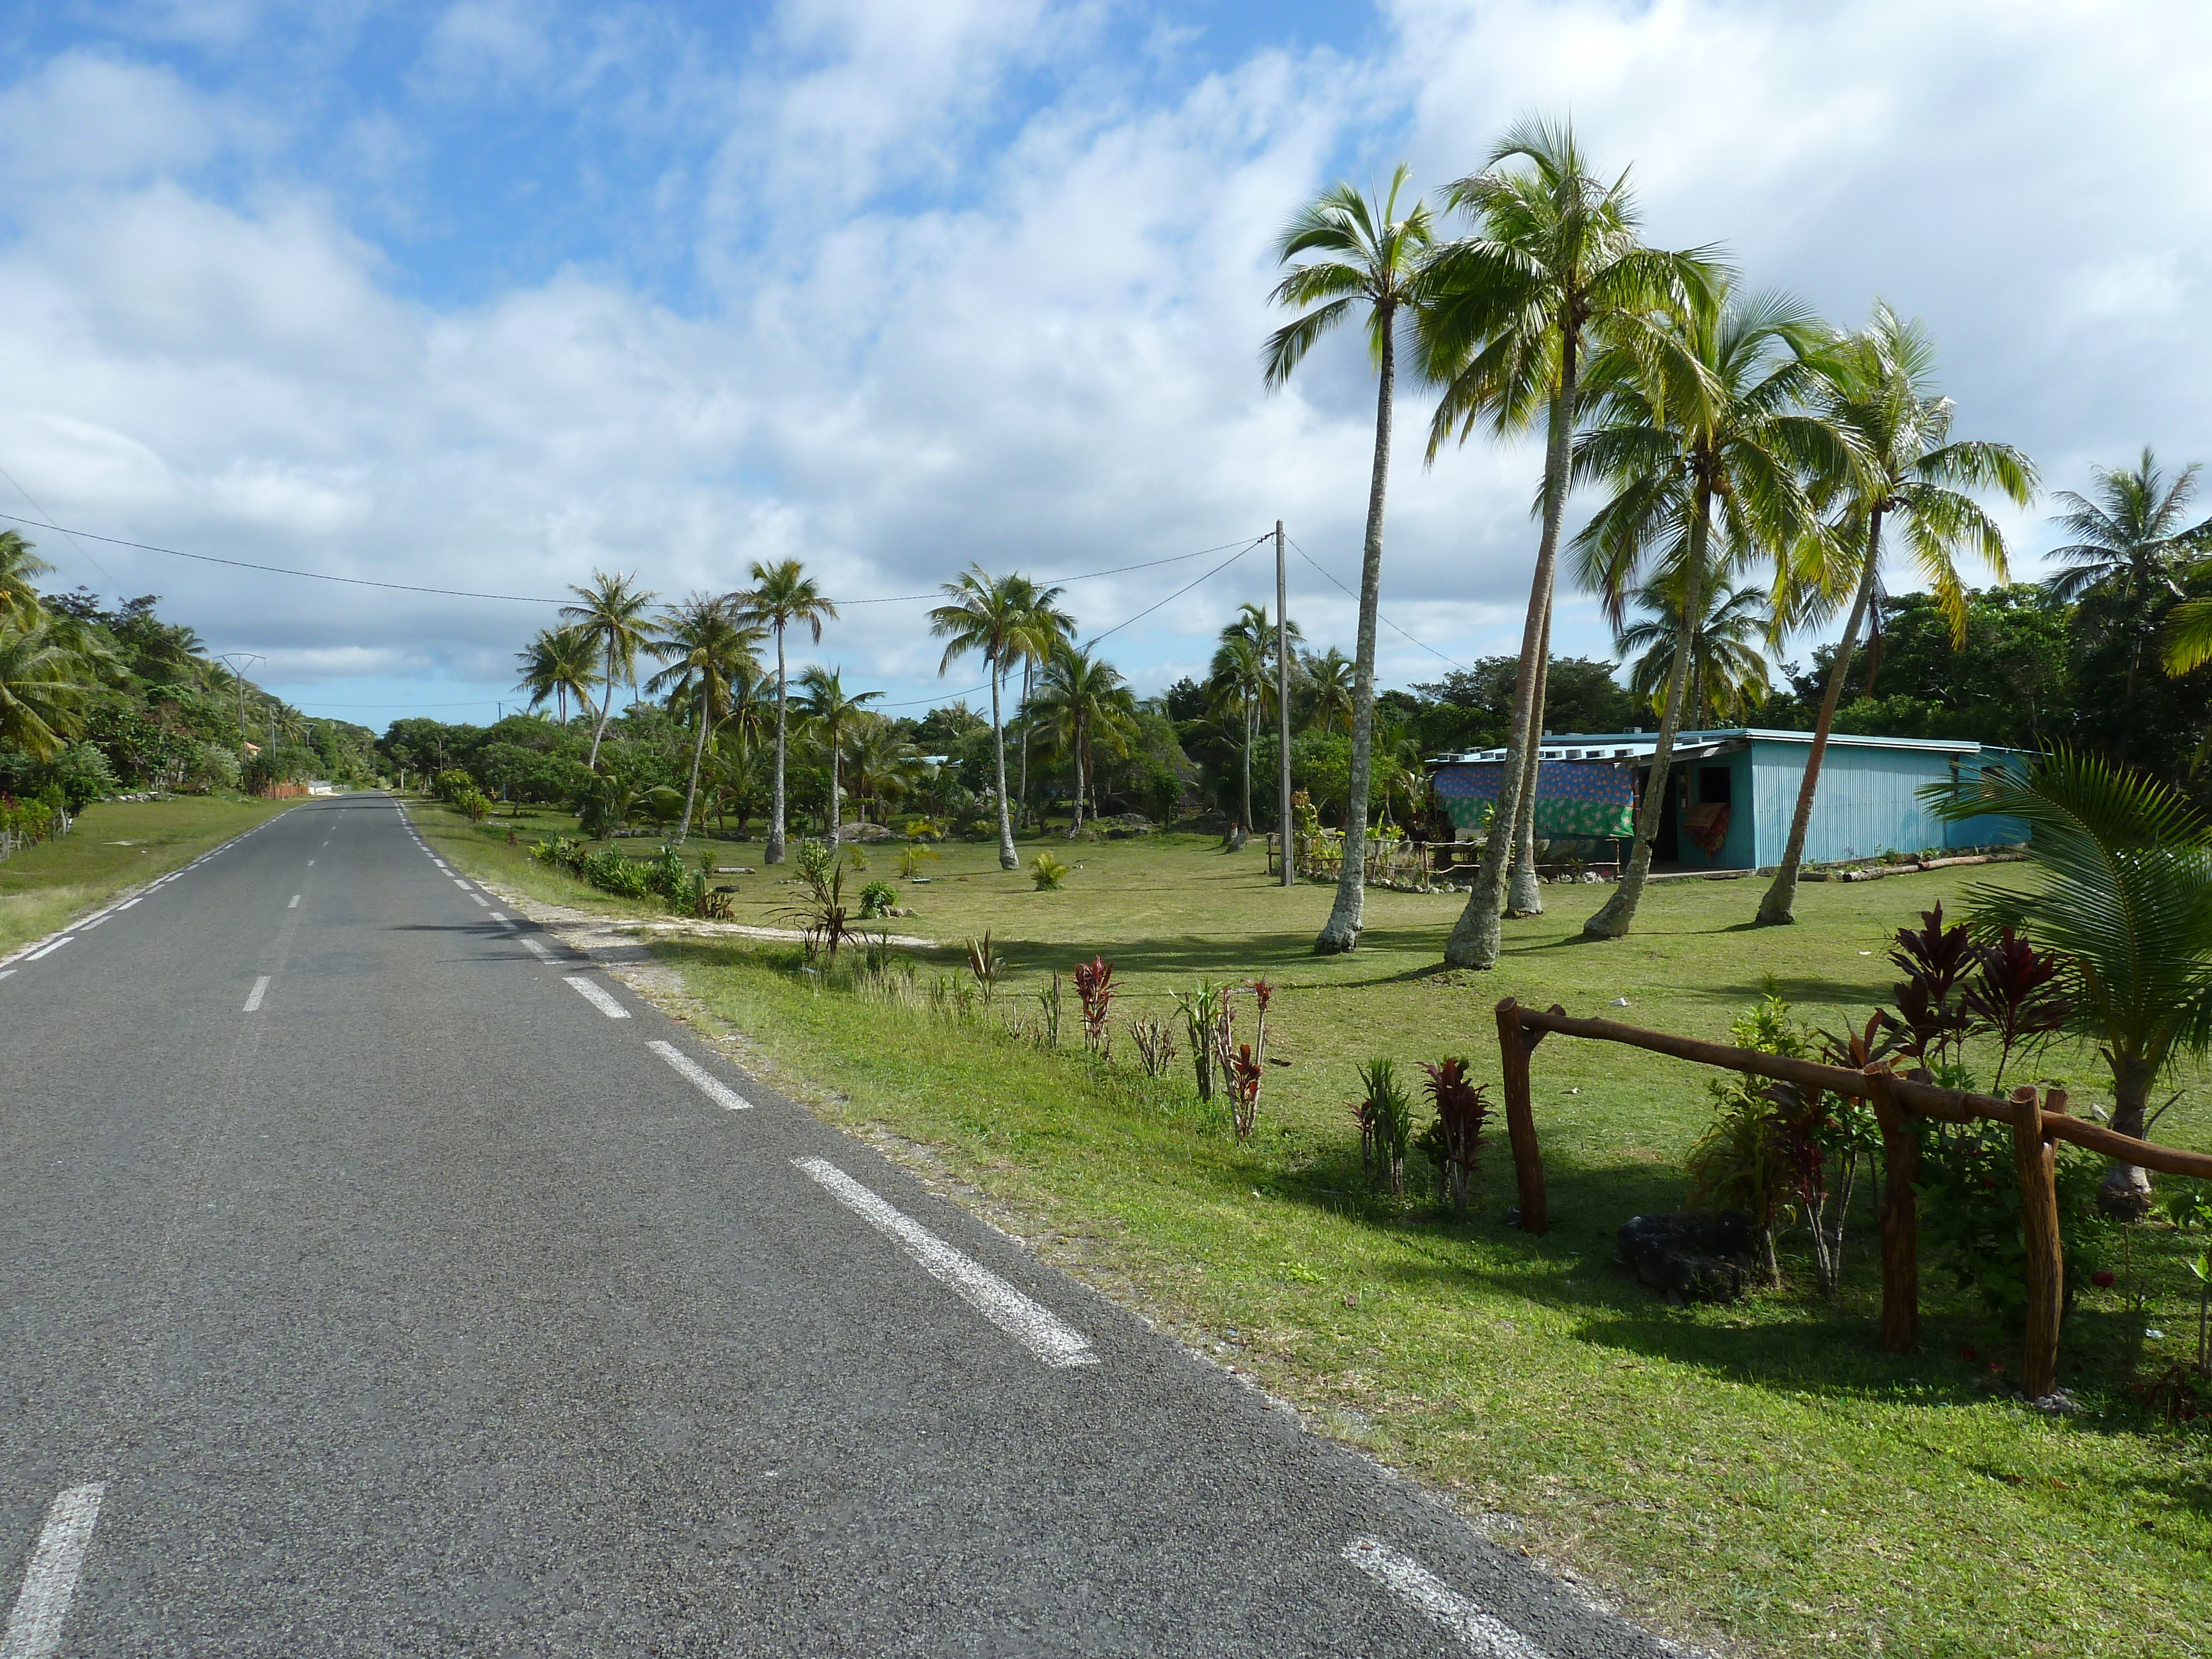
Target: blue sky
[489,295]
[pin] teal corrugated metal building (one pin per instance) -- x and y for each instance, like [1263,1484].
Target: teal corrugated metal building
[1731,792]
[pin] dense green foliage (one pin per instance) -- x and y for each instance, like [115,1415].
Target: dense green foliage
[95,701]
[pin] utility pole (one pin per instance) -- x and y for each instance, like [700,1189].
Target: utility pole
[238,674]
[1283,705]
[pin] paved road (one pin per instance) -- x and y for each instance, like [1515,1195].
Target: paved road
[368,1289]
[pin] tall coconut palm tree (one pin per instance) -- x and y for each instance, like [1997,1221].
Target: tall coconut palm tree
[1239,686]
[1707,443]
[556,664]
[1879,385]
[832,711]
[706,652]
[1329,691]
[782,596]
[18,564]
[995,618]
[1370,262]
[1729,675]
[2130,544]
[1552,268]
[41,692]
[2125,899]
[613,612]
[883,766]
[1085,704]
[1049,628]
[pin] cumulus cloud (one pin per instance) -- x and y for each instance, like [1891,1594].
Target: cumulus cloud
[987,282]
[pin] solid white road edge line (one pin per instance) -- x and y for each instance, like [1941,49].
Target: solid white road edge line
[48,949]
[34,1627]
[1036,1328]
[1482,1632]
[597,996]
[706,1082]
[260,990]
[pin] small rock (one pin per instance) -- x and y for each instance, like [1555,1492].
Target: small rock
[1621,1002]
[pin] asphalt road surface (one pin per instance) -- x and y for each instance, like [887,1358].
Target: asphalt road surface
[376,1277]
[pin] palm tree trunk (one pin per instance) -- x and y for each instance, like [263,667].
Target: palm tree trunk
[1781,901]
[773,853]
[1007,858]
[1618,914]
[1341,931]
[1027,693]
[606,707]
[698,754]
[1475,938]
[1076,828]
[836,784]
[1525,895]
[1245,828]
[2124,1193]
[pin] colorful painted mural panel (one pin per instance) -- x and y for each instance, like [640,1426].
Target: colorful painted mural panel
[1574,799]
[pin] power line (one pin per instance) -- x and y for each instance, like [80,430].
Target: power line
[1393,627]
[278,569]
[1089,575]
[45,522]
[1184,589]
[42,513]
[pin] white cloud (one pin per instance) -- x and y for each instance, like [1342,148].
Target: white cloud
[949,316]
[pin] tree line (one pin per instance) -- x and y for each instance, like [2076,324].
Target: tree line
[95,699]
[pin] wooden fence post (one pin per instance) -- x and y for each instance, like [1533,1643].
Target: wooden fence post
[2046,1265]
[1513,1046]
[1900,1218]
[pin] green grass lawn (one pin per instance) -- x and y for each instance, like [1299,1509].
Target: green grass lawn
[114,845]
[1760,1471]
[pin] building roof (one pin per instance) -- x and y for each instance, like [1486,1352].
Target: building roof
[1693,745]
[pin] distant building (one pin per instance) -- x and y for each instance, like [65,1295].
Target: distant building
[1730,794]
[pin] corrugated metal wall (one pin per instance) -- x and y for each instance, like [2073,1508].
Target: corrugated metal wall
[1866,803]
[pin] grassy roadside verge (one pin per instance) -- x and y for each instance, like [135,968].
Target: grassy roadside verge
[1757,1472]
[115,845]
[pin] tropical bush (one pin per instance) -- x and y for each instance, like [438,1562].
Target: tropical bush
[1047,871]
[1385,1117]
[1454,1140]
[877,898]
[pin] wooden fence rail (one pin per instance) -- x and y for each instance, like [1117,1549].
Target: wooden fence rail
[2035,1125]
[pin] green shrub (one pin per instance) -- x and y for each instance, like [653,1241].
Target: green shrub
[1971,1204]
[1047,871]
[83,774]
[877,899]
[1385,1117]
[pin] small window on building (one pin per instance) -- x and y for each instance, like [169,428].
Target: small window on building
[1716,785]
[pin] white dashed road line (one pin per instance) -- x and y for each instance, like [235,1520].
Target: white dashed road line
[4,972]
[704,1080]
[48,949]
[34,1627]
[260,990]
[1480,1631]
[536,948]
[598,997]
[1036,1328]
[295,904]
